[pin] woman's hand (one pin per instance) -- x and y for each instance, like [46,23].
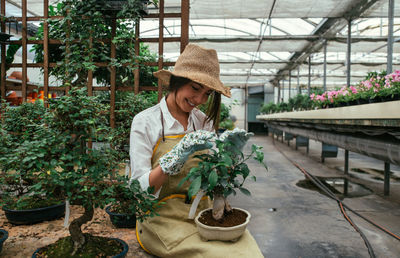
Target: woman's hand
[237,137]
[172,162]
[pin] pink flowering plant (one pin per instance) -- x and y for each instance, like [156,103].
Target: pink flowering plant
[376,87]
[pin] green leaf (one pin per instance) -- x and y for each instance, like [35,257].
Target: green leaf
[194,187]
[245,191]
[212,179]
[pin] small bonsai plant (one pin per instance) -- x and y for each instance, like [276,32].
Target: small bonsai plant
[131,203]
[83,176]
[21,136]
[222,171]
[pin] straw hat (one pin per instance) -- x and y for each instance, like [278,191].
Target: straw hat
[199,65]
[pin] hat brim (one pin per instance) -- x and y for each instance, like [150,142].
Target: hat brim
[201,78]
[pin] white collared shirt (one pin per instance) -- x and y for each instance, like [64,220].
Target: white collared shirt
[146,129]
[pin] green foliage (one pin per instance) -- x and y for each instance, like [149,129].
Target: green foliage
[25,152]
[127,105]
[222,170]
[82,56]
[132,200]
[227,124]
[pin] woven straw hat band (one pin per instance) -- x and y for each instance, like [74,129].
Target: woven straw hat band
[199,65]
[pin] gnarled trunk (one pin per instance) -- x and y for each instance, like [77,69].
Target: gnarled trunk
[75,228]
[220,206]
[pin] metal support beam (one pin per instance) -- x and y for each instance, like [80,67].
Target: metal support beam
[385,151]
[290,83]
[346,162]
[348,53]
[386,180]
[309,75]
[279,92]
[325,46]
[389,68]
[283,90]
[298,80]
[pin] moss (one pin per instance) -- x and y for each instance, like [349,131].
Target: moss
[32,202]
[95,246]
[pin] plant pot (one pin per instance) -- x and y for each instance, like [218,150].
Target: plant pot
[221,233]
[122,254]
[121,220]
[22,217]
[4,236]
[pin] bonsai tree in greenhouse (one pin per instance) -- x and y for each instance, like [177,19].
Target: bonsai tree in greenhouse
[22,134]
[223,170]
[84,176]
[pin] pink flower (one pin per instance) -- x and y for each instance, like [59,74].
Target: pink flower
[353,89]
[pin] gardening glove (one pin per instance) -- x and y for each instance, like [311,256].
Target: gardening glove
[172,162]
[237,137]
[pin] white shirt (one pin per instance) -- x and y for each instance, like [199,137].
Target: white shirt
[146,129]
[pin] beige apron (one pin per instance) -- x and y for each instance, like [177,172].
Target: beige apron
[172,234]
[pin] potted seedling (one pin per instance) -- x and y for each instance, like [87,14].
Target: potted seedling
[219,174]
[26,200]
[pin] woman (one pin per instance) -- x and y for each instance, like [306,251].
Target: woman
[161,155]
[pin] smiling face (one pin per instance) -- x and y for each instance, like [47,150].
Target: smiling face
[191,95]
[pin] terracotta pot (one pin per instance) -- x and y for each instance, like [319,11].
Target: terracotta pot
[221,233]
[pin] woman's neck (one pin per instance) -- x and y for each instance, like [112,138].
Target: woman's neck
[176,111]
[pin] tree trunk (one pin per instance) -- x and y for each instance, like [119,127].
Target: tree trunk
[75,228]
[220,206]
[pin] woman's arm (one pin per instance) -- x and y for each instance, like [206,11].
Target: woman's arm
[157,178]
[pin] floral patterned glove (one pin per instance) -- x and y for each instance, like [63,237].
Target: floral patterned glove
[237,136]
[172,162]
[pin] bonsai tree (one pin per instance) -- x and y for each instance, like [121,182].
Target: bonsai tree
[21,136]
[84,176]
[223,171]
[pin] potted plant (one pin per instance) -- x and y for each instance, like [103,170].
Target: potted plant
[3,237]
[131,204]
[25,200]
[81,175]
[218,175]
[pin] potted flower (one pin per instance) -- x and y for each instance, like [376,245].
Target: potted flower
[25,200]
[131,204]
[219,174]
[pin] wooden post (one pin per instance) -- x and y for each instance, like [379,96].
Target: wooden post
[184,24]
[46,51]
[136,72]
[90,72]
[113,76]
[160,45]
[3,53]
[24,49]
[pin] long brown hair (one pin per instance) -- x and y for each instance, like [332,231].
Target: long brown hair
[214,101]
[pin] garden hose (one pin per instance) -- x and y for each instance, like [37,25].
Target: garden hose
[343,207]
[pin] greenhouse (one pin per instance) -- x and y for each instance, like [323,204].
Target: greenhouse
[184,128]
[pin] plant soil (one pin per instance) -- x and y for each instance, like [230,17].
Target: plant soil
[95,246]
[23,240]
[230,219]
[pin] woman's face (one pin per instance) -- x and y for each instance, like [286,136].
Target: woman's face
[191,95]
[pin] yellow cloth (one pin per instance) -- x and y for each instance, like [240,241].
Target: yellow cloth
[172,234]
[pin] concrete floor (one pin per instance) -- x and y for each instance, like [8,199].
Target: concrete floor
[290,221]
